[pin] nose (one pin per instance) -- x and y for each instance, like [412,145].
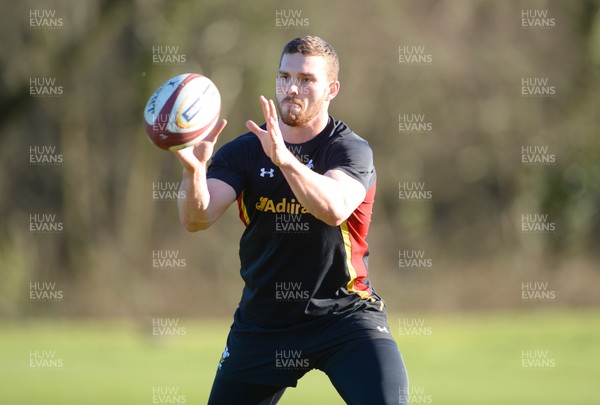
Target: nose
[293,89]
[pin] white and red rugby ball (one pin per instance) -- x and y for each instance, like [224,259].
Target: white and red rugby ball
[182,111]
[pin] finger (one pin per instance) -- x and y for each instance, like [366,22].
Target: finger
[273,124]
[186,156]
[269,111]
[265,107]
[181,153]
[273,131]
[214,133]
[252,126]
[272,109]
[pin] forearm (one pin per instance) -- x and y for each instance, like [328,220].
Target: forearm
[322,196]
[194,206]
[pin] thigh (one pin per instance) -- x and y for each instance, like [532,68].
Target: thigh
[373,372]
[228,392]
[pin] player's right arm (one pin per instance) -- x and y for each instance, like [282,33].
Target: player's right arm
[203,201]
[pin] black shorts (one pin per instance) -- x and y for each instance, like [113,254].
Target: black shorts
[279,357]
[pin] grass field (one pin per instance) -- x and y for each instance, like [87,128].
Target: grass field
[451,359]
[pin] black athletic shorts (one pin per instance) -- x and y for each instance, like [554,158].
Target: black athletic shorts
[281,356]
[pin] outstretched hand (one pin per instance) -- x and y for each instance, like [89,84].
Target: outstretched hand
[271,139]
[194,156]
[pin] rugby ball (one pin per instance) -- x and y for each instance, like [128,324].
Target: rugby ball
[182,111]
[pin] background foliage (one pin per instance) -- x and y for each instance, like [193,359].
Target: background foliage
[102,57]
[471,160]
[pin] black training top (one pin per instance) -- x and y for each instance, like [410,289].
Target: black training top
[297,268]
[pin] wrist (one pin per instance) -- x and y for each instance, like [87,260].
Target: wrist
[286,160]
[195,170]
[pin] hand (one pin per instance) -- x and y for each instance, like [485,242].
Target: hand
[198,155]
[271,139]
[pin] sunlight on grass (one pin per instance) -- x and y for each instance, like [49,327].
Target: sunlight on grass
[455,359]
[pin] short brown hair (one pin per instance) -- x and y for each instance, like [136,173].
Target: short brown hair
[309,45]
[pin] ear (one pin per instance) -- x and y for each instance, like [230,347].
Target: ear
[334,88]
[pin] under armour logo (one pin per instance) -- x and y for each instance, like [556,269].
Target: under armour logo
[225,353]
[310,164]
[224,356]
[270,172]
[383,329]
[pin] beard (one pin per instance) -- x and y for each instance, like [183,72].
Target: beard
[293,115]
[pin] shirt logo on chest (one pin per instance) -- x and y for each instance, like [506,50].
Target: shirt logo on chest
[270,172]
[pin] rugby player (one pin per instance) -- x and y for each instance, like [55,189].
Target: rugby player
[304,184]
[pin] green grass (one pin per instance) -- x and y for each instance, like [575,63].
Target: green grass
[467,359]
[476,359]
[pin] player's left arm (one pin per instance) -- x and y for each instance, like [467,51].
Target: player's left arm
[330,197]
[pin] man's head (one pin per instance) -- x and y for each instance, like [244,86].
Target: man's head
[307,79]
[314,46]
